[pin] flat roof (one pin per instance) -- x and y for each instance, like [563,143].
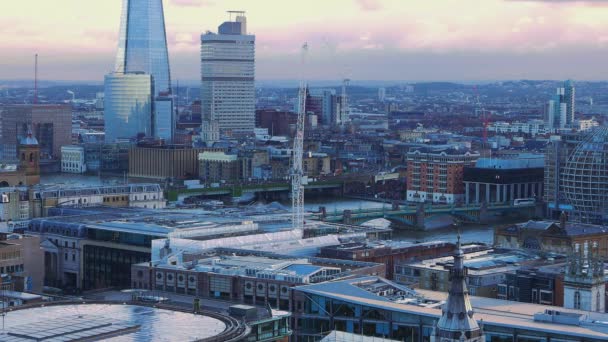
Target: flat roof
[494,312]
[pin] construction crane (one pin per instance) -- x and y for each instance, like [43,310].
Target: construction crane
[344,102]
[298,179]
[35,78]
[485,118]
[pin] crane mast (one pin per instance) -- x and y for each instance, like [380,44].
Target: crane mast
[344,102]
[298,180]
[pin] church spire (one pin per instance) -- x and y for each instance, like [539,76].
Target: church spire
[457,322]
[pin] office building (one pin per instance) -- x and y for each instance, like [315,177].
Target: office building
[50,124]
[376,307]
[560,109]
[162,162]
[128,106]
[163,124]
[137,94]
[21,262]
[436,174]
[219,166]
[227,76]
[72,159]
[494,180]
[255,278]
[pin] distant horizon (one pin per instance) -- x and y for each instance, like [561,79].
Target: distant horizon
[294,82]
[383,40]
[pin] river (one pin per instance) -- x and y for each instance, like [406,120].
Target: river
[469,233]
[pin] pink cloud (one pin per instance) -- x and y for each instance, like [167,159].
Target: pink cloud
[369,5]
[192,3]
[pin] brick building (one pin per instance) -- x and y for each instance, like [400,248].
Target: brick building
[436,174]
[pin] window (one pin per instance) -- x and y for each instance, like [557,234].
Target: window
[577,300]
[65,256]
[73,256]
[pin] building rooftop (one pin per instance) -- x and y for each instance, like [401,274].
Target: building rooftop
[493,312]
[108,322]
[484,262]
[572,228]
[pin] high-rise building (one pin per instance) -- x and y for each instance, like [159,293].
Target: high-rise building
[137,94]
[128,106]
[227,76]
[560,109]
[142,42]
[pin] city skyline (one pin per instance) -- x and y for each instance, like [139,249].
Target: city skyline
[363,39]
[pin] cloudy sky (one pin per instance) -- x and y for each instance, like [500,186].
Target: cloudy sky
[360,39]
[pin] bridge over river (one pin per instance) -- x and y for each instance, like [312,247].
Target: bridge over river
[425,216]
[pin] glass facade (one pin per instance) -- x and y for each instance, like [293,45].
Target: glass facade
[164,120]
[128,106]
[109,267]
[142,45]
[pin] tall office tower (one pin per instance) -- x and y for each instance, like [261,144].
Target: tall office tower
[51,125]
[142,61]
[142,42]
[560,109]
[328,103]
[128,106]
[227,76]
[381,94]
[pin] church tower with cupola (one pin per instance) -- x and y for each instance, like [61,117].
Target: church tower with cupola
[584,282]
[457,323]
[29,158]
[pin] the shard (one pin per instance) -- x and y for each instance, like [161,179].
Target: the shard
[142,45]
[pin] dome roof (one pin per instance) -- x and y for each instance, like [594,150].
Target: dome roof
[585,177]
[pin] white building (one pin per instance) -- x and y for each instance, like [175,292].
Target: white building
[227,74]
[72,159]
[584,282]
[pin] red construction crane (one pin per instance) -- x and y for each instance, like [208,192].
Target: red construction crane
[485,117]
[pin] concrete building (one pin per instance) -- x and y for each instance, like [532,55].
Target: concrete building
[50,124]
[22,260]
[95,247]
[536,285]
[436,175]
[278,123]
[227,76]
[219,166]
[389,253]
[240,276]
[494,180]
[162,162]
[550,236]
[486,270]
[73,160]
[373,306]
[139,195]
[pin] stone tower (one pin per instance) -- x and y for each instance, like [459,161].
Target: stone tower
[457,323]
[29,158]
[584,283]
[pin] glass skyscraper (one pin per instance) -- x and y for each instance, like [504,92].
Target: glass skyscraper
[141,77]
[142,44]
[128,105]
